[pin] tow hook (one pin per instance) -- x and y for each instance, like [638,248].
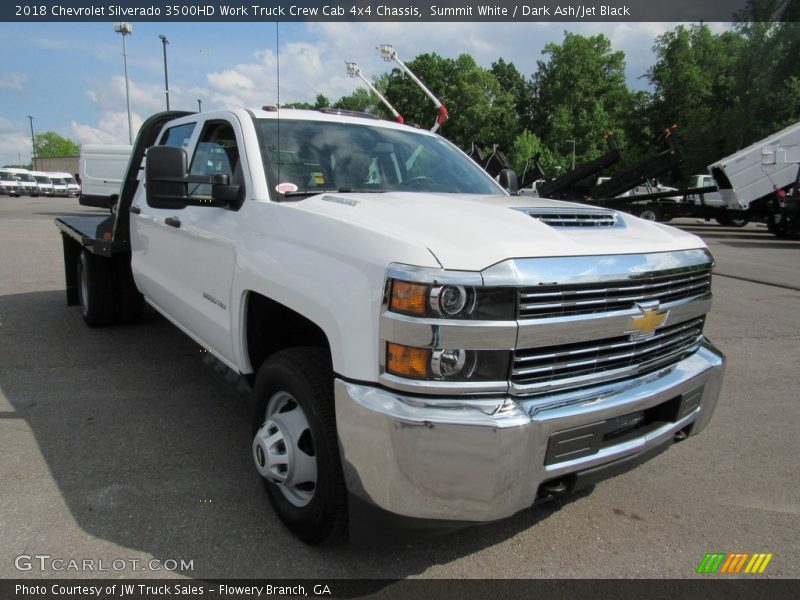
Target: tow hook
[553,488]
[680,435]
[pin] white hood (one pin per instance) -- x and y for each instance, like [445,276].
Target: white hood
[471,233]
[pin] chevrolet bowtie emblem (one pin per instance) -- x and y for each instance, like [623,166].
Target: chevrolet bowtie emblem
[652,318]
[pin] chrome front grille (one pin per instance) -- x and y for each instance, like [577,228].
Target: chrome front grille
[612,357]
[562,300]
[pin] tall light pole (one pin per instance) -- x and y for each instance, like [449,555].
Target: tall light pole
[126,29]
[573,152]
[199,105]
[164,42]
[33,145]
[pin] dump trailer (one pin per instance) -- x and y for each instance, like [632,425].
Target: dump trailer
[631,191]
[563,187]
[667,159]
[757,183]
[761,181]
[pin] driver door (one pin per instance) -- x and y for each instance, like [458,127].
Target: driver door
[188,255]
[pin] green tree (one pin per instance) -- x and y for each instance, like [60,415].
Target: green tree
[525,148]
[320,102]
[49,144]
[580,94]
[512,81]
[481,111]
[766,75]
[698,86]
[362,100]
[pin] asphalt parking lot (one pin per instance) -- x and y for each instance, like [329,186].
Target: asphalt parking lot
[127,444]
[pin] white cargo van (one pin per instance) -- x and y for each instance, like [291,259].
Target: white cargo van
[27,183]
[73,189]
[102,168]
[44,182]
[9,184]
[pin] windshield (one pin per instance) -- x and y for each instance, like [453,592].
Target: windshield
[6,176]
[316,156]
[25,177]
[70,181]
[57,181]
[42,179]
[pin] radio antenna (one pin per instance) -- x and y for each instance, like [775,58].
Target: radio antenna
[278,62]
[278,99]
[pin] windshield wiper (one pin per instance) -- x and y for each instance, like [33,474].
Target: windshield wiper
[299,194]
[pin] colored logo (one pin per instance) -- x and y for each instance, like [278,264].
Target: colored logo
[735,562]
[652,318]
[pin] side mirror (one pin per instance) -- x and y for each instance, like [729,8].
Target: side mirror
[508,180]
[223,191]
[167,182]
[166,177]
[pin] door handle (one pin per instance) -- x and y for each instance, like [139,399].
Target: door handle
[173,221]
[135,210]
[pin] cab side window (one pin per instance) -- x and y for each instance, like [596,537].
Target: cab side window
[177,136]
[217,153]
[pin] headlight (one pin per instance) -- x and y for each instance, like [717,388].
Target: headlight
[451,363]
[447,364]
[443,331]
[449,301]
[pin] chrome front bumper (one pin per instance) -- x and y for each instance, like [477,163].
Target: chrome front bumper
[445,459]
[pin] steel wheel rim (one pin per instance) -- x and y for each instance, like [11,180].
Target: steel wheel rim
[288,449]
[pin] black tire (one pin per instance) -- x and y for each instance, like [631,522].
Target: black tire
[95,289]
[773,227]
[306,375]
[729,221]
[780,230]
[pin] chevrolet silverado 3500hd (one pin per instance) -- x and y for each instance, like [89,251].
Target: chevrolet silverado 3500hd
[418,340]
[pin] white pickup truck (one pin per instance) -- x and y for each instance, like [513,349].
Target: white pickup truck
[420,343]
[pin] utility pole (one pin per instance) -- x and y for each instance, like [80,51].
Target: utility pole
[33,146]
[199,105]
[164,42]
[126,29]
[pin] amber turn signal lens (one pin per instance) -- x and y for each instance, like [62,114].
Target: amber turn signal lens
[405,361]
[409,298]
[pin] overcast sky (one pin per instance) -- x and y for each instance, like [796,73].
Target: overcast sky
[69,76]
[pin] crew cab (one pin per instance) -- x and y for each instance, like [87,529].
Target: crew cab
[420,343]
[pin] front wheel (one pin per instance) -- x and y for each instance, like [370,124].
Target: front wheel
[295,447]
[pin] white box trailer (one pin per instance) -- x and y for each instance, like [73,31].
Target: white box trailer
[752,174]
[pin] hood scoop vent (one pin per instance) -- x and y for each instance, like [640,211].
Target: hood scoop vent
[574,217]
